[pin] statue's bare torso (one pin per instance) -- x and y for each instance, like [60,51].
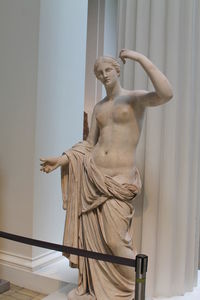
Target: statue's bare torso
[119,122]
[117,119]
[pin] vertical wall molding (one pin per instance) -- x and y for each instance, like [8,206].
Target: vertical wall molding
[101,40]
[95,46]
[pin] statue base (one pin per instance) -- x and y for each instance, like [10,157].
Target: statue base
[4,286]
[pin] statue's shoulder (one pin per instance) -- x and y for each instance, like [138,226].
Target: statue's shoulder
[130,93]
[99,104]
[134,97]
[129,96]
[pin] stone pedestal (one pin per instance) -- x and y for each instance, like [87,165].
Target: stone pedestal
[4,286]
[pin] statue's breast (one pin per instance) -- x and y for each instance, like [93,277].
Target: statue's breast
[114,112]
[122,113]
[103,117]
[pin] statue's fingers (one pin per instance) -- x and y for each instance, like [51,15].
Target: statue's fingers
[47,169]
[43,164]
[43,160]
[43,168]
[123,59]
[121,56]
[122,50]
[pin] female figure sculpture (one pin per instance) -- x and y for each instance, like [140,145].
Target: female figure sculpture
[100,179]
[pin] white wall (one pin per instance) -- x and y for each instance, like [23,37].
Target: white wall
[42,71]
[60,99]
[19,24]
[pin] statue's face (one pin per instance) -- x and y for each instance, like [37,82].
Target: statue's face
[107,74]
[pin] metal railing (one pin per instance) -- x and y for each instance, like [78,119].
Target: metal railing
[140,263]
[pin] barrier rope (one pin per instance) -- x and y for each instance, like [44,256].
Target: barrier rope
[69,250]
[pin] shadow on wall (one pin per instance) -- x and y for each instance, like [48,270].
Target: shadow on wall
[2,186]
[199,256]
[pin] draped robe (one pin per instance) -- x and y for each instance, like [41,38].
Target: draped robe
[99,216]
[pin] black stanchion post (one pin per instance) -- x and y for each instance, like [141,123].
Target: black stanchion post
[4,286]
[140,281]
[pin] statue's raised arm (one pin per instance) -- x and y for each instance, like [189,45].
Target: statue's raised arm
[163,91]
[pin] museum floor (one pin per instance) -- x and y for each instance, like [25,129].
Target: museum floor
[59,271]
[19,293]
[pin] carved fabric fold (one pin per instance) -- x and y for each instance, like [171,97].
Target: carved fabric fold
[98,218]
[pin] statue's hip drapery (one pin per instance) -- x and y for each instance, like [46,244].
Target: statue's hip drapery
[98,218]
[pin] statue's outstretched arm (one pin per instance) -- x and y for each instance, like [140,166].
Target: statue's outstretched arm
[163,91]
[49,164]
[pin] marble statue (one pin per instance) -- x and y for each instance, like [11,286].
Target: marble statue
[100,180]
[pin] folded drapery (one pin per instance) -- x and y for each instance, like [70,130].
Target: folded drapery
[98,218]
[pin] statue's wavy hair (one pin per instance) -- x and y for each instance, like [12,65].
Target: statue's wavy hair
[108,59]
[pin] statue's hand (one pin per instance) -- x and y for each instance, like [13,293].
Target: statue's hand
[125,53]
[52,163]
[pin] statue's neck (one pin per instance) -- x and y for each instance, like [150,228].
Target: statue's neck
[114,91]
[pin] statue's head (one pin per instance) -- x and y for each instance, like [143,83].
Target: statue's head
[106,69]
